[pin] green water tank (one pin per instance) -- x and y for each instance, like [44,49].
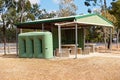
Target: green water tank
[35,44]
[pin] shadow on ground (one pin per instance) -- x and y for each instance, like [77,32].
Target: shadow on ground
[9,56]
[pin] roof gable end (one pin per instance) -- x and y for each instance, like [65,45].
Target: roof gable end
[94,19]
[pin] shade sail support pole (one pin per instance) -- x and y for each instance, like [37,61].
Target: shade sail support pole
[84,36]
[59,39]
[76,40]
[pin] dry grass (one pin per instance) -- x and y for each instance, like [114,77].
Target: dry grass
[93,68]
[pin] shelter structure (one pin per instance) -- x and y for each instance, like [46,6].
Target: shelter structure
[68,30]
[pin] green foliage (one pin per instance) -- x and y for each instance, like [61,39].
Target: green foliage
[13,12]
[115,10]
[10,35]
[46,14]
[94,3]
[94,34]
[35,11]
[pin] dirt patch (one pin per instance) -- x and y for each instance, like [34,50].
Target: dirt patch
[88,67]
[92,68]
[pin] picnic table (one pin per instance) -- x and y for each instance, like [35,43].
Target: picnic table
[68,46]
[92,45]
[71,48]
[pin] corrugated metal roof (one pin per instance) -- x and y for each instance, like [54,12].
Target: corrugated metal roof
[48,20]
[94,19]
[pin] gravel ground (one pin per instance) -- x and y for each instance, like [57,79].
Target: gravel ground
[97,67]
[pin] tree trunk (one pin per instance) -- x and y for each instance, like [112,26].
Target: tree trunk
[4,36]
[105,42]
[105,5]
[22,11]
[118,38]
[105,38]
[109,43]
[110,38]
[104,8]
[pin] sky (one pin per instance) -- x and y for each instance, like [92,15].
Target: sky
[52,5]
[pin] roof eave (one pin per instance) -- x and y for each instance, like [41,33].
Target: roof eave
[52,20]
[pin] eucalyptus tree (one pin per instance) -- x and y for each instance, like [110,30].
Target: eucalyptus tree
[16,11]
[13,12]
[5,7]
[67,8]
[115,10]
[101,3]
[103,10]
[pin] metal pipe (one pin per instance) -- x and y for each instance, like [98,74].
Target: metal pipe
[76,40]
[84,31]
[59,38]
